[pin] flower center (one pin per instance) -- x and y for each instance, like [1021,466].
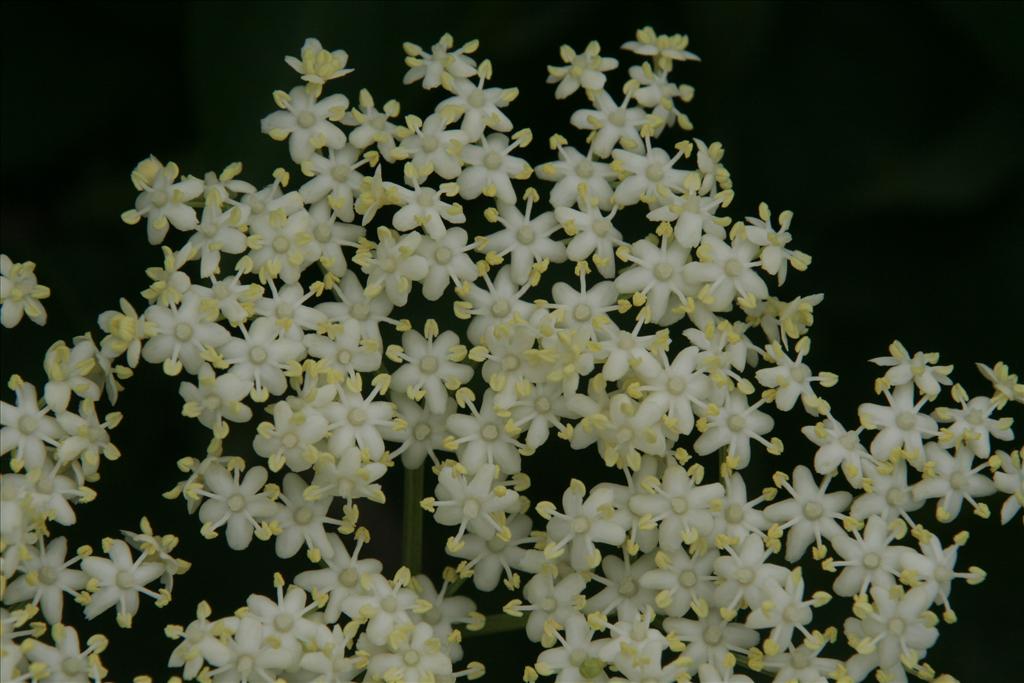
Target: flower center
[712,635]
[585,169]
[258,354]
[525,235]
[236,502]
[680,506]
[183,332]
[124,579]
[443,255]
[813,510]
[477,99]
[958,481]
[663,271]
[492,161]
[733,267]
[284,622]
[906,421]
[580,525]
[489,432]
[48,575]
[411,658]
[344,356]
[27,424]
[72,667]
[340,172]
[428,364]
[348,578]
[306,119]
[356,417]
[602,227]
[628,588]
[744,576]
[429,143]
[655,173]
[422,432]
[500,308]
[581,313]
[618,117]
[290,441]
[159,198]
[688,579]
[736,423]
[897,626]
[360,311]
[389,604]
[734,513]
[471,508]
[800,373]
[280,244]
[872,561]
[303,515]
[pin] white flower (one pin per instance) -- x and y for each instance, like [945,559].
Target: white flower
[346,574]
[657,276]
[900,424]
[181,335]
[775,255]
[413,654]
[474,502]
[678,504]
[447,262]
[423,207]
[126,331]
[525,238]
[919,369]
[647,175]
[791,378]
[317,65]
[573,169]
[583,69]
[306,123]
[953,479]
[663,49]
[893,631]
[429,370]
[119,580]
[680,580]
[28,427]
[581,524]
[357,420]
[163,199]
[260,358]
[592,233]
[576,658]
[20,293]
[784,610]
[336,178]
[973,424]
[710,639]
[547,599]
[216,399]
[1010,480]
[46,577]
[490,167]
[810,514]
[868,559]
[733,427]
[65,658]
[372,126]
[478,107]
[441,65]
[290,438]
[392,265]
[240,504]
[427,143]
[484,438]
[725,272]
[616,124]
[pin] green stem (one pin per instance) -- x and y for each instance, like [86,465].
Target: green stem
[498,623]
[412,520]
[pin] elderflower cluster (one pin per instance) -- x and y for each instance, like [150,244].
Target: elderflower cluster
[600,302]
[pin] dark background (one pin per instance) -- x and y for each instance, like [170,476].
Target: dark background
[891,131]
